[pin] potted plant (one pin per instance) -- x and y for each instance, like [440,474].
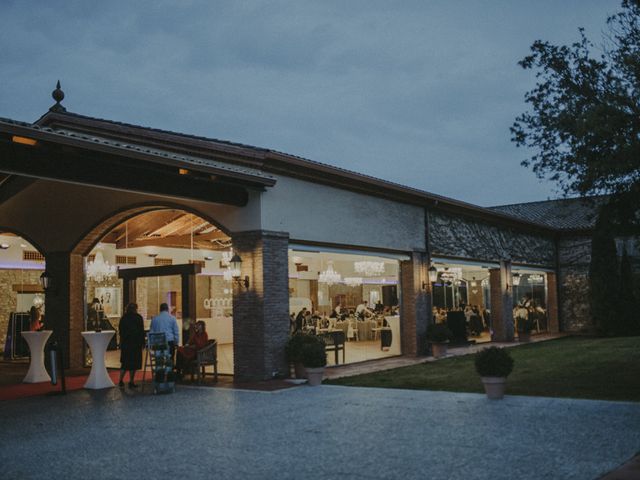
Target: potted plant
[524,325]
[293,351]
[494,366]
[314,359]
[438,335]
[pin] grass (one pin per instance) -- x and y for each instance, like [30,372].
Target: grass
[575,367]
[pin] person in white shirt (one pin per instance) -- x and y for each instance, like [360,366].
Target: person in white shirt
[362,310]
[166,323]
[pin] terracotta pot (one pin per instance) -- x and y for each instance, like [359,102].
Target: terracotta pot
[300,370]
[439,349]
[494,387]
[314,375]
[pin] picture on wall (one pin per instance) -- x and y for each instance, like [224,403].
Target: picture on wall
[111,300]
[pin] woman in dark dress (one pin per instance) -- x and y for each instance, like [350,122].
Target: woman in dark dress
[131,344]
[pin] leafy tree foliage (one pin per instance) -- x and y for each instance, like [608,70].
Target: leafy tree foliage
[584,124]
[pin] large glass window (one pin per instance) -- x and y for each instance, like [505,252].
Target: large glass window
[350,300]
[23,303]
[461,299]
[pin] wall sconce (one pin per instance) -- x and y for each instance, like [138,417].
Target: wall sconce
[515,279]
[236,264]
[433,278]
[46,281]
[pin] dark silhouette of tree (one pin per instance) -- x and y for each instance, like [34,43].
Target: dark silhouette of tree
[583,128]
[629,302]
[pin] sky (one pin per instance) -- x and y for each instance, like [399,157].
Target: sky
[420,93]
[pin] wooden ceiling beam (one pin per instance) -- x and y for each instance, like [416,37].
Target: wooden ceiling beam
[179,241]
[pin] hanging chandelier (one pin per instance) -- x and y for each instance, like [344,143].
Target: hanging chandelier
[536,278]
[353,281]
[369,269]
[99,271]
[329,276]
[226,257]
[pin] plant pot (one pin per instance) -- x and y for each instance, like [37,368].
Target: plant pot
[494,387]
[439,349]
[300,370]
[524,337]
[314,375]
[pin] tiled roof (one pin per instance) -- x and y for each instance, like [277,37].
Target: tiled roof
[186,160]
[563,214]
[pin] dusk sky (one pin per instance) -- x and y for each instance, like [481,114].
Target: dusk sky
[416,92]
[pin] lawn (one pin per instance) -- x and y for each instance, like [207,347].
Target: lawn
[575,367]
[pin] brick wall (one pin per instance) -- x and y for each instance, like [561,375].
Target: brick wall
[261,312]
[9,297]
[501,304]
[415,305]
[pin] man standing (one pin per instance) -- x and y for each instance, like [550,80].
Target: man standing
[166,323]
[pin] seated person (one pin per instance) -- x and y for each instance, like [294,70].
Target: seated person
[188,352]
[379,308]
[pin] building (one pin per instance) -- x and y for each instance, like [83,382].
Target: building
[80,195]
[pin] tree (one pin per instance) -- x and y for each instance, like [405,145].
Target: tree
[584,124]
[629,308]
[604,279]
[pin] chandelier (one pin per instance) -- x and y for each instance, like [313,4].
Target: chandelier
[329,276]
[536,278]
[369,269]
[226,257]
[99,271]
[353,281]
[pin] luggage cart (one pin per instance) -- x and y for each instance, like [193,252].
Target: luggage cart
[158,357]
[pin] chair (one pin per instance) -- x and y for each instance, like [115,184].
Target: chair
[334,343]
[205,357]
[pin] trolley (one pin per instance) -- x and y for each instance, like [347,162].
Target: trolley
[158,357]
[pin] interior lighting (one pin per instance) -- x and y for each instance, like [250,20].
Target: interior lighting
[329,276]
[98,270]
[24,140]
[369,268]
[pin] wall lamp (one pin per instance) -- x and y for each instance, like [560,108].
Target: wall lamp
[433,278]
[46,281]
[236,264]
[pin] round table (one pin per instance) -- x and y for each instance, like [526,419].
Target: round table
[98,342]
[36,342]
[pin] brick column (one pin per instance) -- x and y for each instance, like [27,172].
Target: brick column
[552,303]
[64,304]
[261,312]
[415,305]
[501,303]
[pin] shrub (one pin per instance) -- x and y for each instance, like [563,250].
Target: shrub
[438,333]
[313,353]
[293,349]
[494,362]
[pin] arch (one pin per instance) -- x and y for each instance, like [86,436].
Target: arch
[26,237]
[92,237]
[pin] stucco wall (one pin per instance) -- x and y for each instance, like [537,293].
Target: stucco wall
[461,237]
[320,213]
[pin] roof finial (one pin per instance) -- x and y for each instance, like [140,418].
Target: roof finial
[58,96]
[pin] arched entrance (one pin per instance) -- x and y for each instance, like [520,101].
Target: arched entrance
[22,304]
[151,255]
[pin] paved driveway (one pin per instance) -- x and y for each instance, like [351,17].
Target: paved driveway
[328,432]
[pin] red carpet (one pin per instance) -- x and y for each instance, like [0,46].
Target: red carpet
[21,390]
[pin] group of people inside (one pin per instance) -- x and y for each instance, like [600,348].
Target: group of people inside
[312,322]
[477,318]
[133,340]
[529,311]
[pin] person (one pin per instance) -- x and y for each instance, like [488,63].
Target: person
[379,308]
[300,319]
[166,323]
[188,352]
[94,315]
[131,344]
[35,319]
[362,310]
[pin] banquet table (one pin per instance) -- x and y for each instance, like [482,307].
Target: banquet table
[36,341]
[98,342]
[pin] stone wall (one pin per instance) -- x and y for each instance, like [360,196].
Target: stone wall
[455,236]
[9,297]
[574,257]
